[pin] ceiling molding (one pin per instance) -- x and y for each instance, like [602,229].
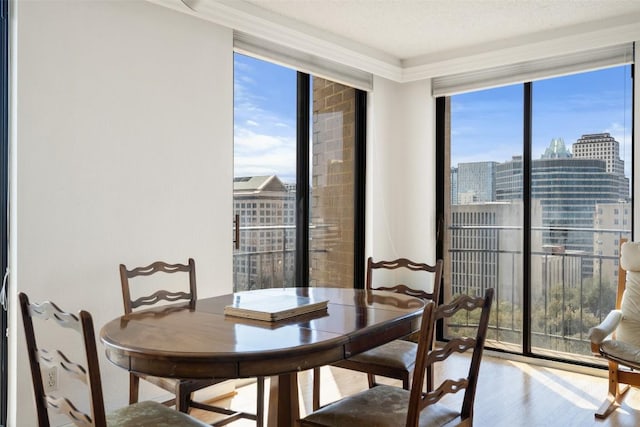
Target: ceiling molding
[242,16]
[560,42]
[246,18]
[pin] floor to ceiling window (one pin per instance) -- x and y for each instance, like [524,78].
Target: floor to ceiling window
[297,177]
[538,197]
[264,186]
[485,234]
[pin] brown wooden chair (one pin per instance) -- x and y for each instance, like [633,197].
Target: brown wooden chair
[397,358]
[183,389]
[617,338]
[390,406]
[142,413]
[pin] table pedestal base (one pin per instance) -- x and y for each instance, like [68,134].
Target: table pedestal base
[284,408]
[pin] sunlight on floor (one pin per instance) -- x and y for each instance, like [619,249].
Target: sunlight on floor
[554,386]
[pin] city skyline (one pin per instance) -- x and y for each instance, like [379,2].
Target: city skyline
[563,107]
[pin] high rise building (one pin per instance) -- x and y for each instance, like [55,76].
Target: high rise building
[604,147]
[266,209]
[454,186]
[485,247]
[476,182]
[556,150]
[568,189]
[509,179]
[612,222]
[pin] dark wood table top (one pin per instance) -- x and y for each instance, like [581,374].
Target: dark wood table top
[181,341]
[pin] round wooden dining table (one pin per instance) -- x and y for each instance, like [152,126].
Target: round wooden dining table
[198,341]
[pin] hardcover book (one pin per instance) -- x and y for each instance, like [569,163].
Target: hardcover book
[271,307]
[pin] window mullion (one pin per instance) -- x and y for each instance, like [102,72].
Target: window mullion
[526,220]
[302,180]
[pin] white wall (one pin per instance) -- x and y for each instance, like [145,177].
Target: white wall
[122,152]
[401,171]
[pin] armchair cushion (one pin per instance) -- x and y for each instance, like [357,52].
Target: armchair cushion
[622,351]
[597,334]
[628,331]
[630,305]
[630,262]
[630,256]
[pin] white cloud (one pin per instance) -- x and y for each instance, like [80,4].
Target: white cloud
[260,154]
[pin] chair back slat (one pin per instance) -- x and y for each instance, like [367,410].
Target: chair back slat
[48,310]
[90,376]
[455,345]
[412,266]
[447,387]
[58,358]
[64,406]
[401,287]
[158,296]
[161,294]
[158,266]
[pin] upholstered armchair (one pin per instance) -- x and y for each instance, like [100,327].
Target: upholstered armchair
[617,338]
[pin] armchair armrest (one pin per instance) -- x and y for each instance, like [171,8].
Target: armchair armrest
[597,334]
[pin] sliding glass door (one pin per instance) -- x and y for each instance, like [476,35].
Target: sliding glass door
[580,187]
[485,221]
[264,185]
[538,199]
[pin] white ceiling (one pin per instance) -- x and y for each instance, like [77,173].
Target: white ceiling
[408,40]
[415,29]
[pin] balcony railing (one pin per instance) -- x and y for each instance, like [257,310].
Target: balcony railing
[267,254]
[571,290]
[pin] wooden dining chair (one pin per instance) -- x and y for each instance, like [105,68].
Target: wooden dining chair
[617,338]
[395,359]
[182,389]
[389,406]
[79,373]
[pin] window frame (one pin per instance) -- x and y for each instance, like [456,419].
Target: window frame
[443,143]
[4,191]
[303,202]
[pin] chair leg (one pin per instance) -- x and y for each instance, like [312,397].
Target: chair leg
[615,395]
[134,383]
[372,380]
[316,389]
[260,402]
[183,398]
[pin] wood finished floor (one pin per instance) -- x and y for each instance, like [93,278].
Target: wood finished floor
[510,393]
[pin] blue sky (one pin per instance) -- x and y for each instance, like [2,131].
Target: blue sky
[486,125]
[264,119]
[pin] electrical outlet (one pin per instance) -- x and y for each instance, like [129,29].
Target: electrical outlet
[50,379]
